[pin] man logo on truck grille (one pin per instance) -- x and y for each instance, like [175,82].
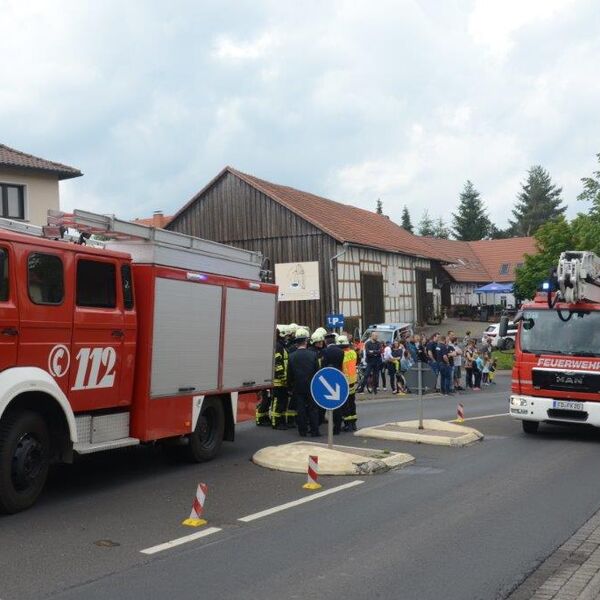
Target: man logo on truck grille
[59,361]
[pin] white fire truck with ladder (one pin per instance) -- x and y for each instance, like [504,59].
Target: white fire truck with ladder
[154,337]
[556,373]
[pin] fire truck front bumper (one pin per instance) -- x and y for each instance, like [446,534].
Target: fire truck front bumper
[534,408]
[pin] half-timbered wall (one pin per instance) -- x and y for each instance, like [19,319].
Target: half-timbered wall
[398,271]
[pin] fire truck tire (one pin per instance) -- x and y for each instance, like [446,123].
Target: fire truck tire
[530,426]
[24,460]
[205,442]
[508,344]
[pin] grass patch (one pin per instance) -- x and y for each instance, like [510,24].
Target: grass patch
[504,358]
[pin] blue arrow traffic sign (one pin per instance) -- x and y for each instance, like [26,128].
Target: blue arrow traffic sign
[329,388]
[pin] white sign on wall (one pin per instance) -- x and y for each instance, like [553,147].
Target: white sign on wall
[297,281]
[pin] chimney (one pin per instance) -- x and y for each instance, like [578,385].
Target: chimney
[157,218]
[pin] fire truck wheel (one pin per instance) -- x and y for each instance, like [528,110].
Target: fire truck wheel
[530,426]
[508,344]
[24,460]
[207,438]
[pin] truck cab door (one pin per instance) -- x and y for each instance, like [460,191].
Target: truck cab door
[98,335]
[9,315]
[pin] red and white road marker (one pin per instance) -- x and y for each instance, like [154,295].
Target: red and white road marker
[196,519]
[313,474]
[460,413]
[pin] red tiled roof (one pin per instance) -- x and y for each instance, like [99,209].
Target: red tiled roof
[483,261]
[343,222]
[9,157]
[157,220]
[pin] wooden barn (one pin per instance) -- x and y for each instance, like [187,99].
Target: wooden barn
[369,268]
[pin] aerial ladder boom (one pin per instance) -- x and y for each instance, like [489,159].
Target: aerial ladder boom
[578,277]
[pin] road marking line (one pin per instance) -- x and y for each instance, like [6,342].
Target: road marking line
[276,509]
[482,417]
[182,540]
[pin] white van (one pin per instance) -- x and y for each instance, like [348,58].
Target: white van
[492,331]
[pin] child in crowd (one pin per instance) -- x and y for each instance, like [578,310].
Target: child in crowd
[477,371]
[485,371]
[493,367]
[406,363]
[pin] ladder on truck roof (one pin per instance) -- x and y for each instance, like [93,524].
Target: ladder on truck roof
[149,245]
[578,276]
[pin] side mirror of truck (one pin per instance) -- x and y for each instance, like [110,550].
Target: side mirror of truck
[503,327]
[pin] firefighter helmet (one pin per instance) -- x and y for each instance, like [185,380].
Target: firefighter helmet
[321,331]
[317,336]
[301,333]
[343,341]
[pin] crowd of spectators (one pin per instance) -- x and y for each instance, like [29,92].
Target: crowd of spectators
[457,364]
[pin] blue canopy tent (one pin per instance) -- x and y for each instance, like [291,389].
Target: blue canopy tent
[494,288]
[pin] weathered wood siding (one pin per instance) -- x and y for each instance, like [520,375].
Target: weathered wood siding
[233,212]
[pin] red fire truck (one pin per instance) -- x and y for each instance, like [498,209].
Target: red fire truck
[157,336]
[556,373]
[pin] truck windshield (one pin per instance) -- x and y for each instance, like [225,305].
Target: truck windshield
[542,332]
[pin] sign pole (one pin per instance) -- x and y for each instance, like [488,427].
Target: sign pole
[330,429]
[420,391]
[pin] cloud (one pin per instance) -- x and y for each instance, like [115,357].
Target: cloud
[227,49]
[494,24]
[398,99]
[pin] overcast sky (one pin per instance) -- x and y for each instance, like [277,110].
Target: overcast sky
[400,100]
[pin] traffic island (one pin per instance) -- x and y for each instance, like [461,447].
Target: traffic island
[438,433]
[339,460]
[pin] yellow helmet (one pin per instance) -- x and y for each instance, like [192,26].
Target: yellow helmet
[301,333]
[317,336]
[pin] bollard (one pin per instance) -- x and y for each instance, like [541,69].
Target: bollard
[195,519]
[313,474]
[460,413]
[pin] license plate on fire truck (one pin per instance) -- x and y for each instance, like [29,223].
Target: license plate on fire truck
[567,405]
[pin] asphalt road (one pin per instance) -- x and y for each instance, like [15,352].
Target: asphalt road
[459,523]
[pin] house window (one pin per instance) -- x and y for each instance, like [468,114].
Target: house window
[504,268]
[519,265]
[12,201]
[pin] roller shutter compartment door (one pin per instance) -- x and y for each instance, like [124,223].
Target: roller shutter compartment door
[249,338]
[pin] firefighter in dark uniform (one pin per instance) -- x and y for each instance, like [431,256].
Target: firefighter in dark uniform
[333,356]
[317,345]
[278,400]
[350,371]
[302,366]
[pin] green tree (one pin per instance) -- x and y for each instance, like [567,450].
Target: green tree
[470,221]
[538,202]
[440,230]
[379,209]
[406,223]
[426,226]
[496,233]
[552,238]
[591,190]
